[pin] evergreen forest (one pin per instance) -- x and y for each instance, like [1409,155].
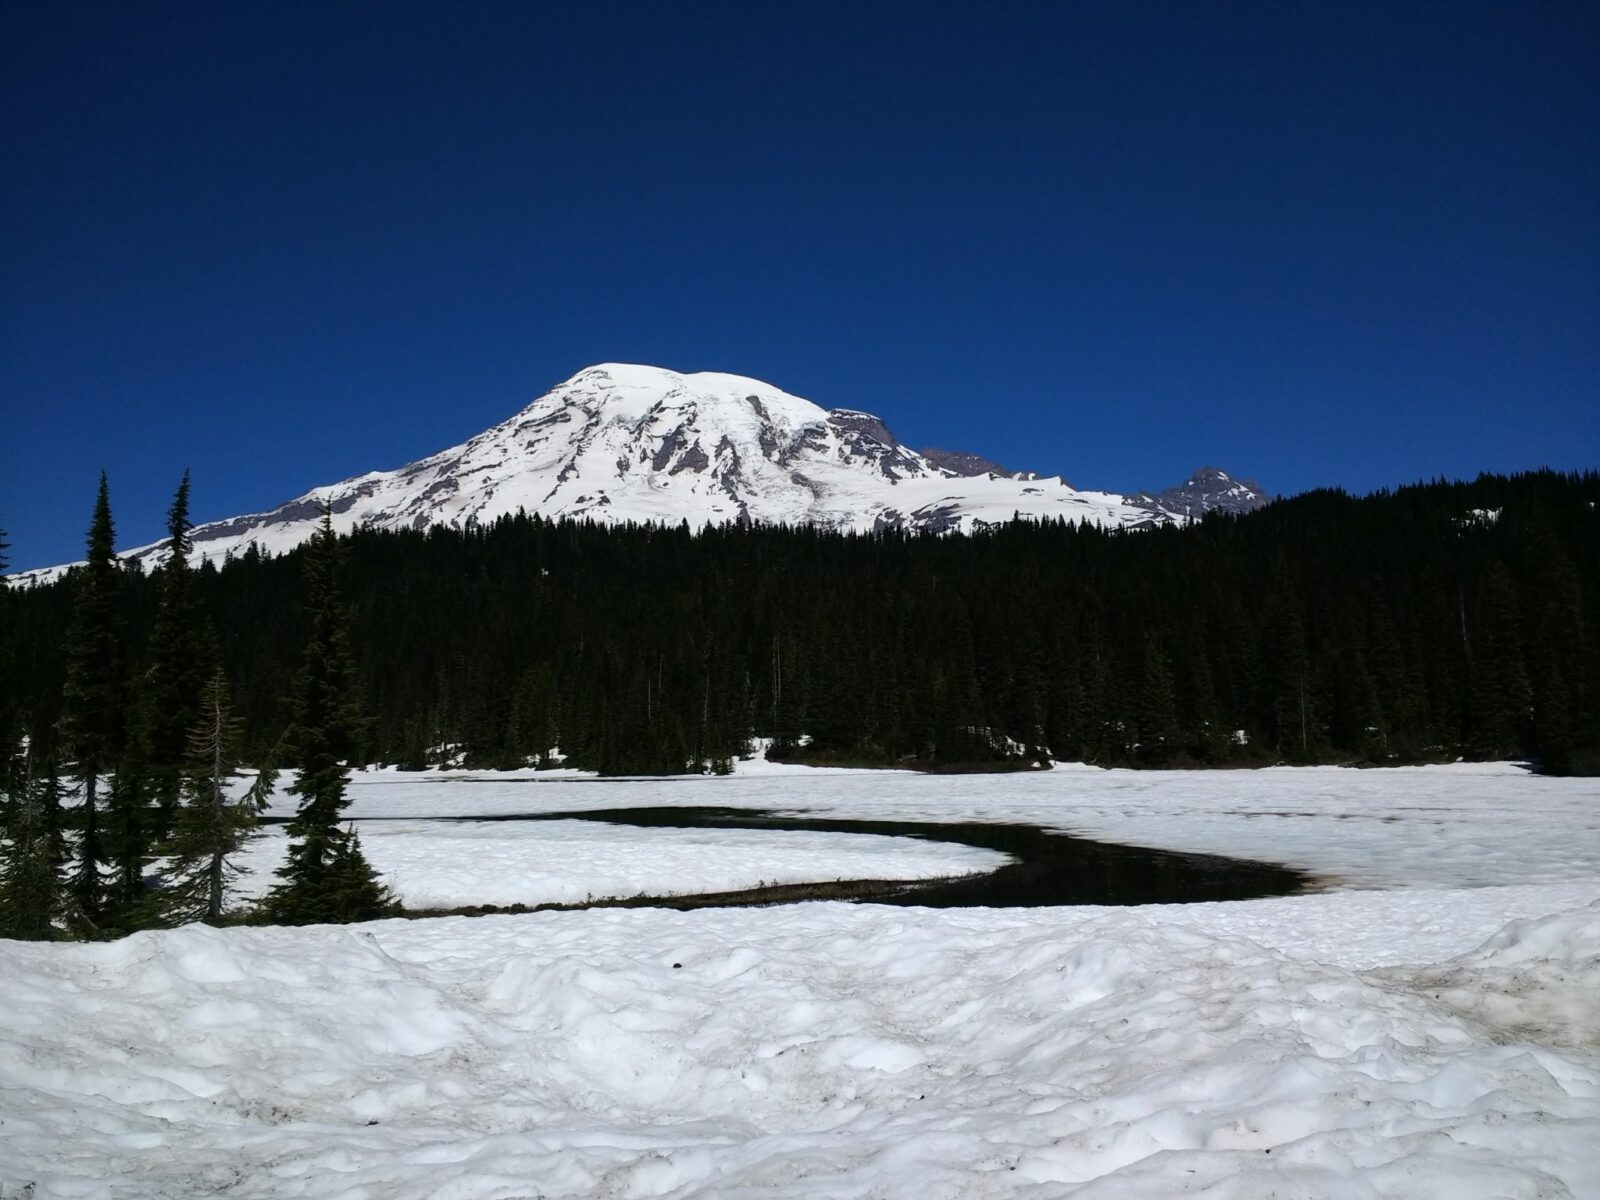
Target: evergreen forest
[1429,623]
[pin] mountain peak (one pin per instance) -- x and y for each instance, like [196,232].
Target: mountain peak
[633,391]
[632,442]
[1208,489]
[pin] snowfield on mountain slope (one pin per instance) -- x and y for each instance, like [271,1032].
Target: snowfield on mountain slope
[1433,1041]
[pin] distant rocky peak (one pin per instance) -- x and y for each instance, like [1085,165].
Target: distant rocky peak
[1208,489]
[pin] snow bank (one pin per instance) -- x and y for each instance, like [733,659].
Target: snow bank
[816,1050]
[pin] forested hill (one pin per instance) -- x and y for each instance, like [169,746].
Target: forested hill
[1432,622]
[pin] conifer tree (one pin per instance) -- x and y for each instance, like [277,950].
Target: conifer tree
[1156,712]
[1557,646]
[1500,700]
[8,700]
[354,892]
[47,776]
[1286,671]
[127,839]
[326,877]
[171,687]
[31,892]
[92,698]
[211,826]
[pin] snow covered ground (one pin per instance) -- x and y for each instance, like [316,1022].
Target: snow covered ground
[1426,1028]
[1470,825]
[449,864]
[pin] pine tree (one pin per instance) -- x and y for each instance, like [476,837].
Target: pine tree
[1500,698]
[127,840]
[1557,645]
[211,827]
[354,892]
[9,731]
[1157,715]
[172,684]
[48,778]
[92,698]
[31,892]
[321,879]
[1286,672]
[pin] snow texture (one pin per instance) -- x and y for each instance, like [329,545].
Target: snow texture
[437,864]
[1431,1041]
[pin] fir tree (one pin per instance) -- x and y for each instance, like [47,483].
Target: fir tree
[127,840]
[1286,671]
[211,827]
[325,864]
[92,698]
[1157,718]
[9,731]
[171,687]
[1500,699]
[47,777]
[353,891]
[31,893]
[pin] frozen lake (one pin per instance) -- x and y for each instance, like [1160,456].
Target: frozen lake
[1462,826]
[1036,867]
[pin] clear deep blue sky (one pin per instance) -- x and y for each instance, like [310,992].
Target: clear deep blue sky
[280,244]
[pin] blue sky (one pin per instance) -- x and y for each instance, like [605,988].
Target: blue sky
[280,244]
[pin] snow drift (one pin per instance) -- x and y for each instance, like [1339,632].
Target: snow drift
[819,1050]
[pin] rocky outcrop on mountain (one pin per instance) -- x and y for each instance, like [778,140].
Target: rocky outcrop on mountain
[1209,489]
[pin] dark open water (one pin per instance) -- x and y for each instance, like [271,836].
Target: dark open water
[1051,868]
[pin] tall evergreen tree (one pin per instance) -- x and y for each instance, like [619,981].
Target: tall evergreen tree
[1286,672]
[92,698]
[212,826]
[46,774]
[9,709]
[1500,698]
[127,840]
[31,893]
[178,655]
[1156,711]
[325,877]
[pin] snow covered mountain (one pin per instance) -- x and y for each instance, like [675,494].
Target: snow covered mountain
[621,442]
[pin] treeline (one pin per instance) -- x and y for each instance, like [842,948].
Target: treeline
[1433,622]
[121,792]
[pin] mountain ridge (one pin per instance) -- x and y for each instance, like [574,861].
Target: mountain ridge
[626,442]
